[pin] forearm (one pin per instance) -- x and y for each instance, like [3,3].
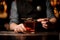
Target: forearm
[52,20]
[13,16]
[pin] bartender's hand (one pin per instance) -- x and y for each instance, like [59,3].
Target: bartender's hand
[43,22]
[19,28]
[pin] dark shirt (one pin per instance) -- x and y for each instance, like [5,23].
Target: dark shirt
[14,12]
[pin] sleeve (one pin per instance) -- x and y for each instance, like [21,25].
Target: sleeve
[13,14]
[49,11]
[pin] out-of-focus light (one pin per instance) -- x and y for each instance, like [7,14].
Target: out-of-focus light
[38,8]
[4,13]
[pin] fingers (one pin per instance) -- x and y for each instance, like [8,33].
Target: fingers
[20,28]
[44,26]
[15,31]
[42,19]
[44,22]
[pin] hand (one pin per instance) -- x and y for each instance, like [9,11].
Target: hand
[43,22]
[19,28]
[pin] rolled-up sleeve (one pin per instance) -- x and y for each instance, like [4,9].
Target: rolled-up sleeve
[49,11]
[13,14]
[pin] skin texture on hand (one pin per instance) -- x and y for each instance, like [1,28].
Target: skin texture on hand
[21,28]
[17,28]
[44,22]
[53,20]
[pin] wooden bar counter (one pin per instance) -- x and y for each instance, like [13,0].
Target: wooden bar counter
[23,36]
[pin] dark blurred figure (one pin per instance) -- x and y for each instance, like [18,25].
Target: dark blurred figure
[3,14]
[56,8]
[4,19]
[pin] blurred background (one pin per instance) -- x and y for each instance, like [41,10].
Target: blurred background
[5,6]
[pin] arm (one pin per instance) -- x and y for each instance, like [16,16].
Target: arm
[50,17]
[50,14]
[14,20]
[13,16]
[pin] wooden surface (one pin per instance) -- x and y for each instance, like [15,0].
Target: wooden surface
[11,33]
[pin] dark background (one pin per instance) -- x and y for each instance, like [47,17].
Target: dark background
[4,22]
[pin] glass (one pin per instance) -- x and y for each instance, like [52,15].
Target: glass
[29,24]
